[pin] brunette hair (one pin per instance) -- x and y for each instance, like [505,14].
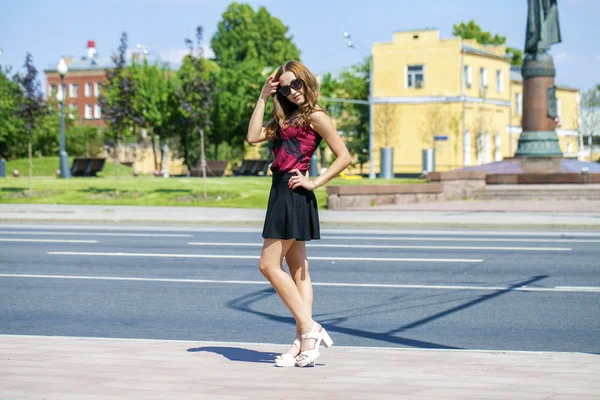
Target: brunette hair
[283,108]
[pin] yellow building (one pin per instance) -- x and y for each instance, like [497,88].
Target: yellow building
[461,92]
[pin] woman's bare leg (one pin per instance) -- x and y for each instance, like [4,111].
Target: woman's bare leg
[297,263]
[273,253]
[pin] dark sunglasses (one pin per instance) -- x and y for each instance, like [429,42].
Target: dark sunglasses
[296,84]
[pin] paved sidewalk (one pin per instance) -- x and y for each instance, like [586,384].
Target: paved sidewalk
[37,367]
[464,214]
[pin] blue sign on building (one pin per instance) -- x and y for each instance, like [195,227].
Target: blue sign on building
[440,137]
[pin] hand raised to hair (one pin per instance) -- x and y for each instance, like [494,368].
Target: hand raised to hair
[300,181]
[269,89]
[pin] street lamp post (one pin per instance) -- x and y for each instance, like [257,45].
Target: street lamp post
[65,172]
[371,129]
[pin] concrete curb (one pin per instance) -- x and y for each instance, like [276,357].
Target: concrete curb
[258,223]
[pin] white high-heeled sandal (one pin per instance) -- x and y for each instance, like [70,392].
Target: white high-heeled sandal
[308,357]
[286,359]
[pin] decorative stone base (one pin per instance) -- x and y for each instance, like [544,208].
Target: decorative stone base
[538,144]
[442,186]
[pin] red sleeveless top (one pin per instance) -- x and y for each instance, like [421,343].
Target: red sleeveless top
[293,146]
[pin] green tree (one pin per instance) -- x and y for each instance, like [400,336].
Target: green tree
[472,30]
[117,100]
[244,34]
[194,68]
[248,45]
[153,103]
[31,106]
[13,140]
[196,95]
[352,118]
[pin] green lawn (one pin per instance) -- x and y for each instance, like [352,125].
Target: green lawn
[243,192]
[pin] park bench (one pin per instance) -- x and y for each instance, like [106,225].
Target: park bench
[253,168]
[87,166]
[213,168]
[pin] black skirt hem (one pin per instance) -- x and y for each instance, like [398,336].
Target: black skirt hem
[291,214]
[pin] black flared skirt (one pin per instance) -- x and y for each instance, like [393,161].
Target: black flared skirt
[291,214]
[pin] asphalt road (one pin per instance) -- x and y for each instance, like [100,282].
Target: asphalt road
[488,290]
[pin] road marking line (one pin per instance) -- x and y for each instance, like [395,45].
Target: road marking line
[48,241]
[462,239]
[366,246]
[93,234]
[333,231]
[581,289]
[166,255]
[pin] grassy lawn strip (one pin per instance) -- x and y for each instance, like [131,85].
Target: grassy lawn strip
[145,190]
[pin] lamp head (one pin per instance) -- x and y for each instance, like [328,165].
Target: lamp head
[62,67]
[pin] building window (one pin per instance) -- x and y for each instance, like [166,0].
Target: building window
[468,76]
[519,103]
[467,148]
[73,90]
[51,90]
[483,80]
[479,148]
[497,146]
[500,81]
[88,111]
[96,89]
[97,112]
[415,76]
[88,90]
[62,90]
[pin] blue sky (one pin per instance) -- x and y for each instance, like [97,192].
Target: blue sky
[52,28]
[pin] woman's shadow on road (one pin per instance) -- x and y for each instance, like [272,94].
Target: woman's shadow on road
[238,354]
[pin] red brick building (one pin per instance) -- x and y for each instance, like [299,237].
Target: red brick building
[82,85]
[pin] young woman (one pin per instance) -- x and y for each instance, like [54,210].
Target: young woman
[297,127]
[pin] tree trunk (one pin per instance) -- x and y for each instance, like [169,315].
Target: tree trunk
[216,156]
[323,160]
[30,168]
[117,168]
[154,149]
[203,160]
[186,154]
[160,147]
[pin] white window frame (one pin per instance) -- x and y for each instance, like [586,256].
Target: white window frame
[88,111]
[467,148]
[414,74]
[62,89]
[487,147]
[500,81]
[519,103]
[96,89]
[468,75]
[497,146]
[73,90]
[483,78]
[97,111]
[87,89]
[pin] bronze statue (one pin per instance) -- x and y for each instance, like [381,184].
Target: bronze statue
[542,26]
